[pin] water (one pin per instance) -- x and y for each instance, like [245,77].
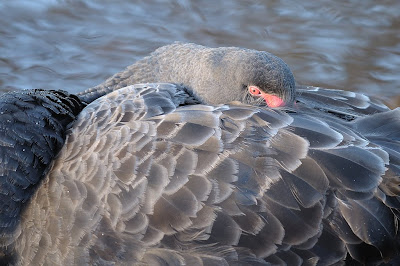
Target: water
[74,45]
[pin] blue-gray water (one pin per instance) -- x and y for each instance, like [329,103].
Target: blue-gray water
[74,45]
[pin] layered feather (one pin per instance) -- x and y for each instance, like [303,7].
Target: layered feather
[141,180]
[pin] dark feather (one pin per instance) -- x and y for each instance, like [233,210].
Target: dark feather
[150,174]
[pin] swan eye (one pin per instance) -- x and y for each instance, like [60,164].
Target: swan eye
[253,90]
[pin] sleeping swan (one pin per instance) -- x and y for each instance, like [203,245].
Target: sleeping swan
[196,169]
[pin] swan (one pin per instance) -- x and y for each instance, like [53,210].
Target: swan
[195,168]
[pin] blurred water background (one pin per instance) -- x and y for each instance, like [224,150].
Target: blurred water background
[76,44]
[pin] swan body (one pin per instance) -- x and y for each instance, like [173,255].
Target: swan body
[152,174]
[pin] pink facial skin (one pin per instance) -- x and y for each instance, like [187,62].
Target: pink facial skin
[271,100]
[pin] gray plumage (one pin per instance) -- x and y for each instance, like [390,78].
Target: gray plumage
[151,175]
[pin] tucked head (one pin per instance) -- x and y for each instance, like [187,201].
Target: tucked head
[216,75]
[225,74]
[266,79]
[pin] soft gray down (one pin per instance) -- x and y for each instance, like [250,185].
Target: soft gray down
[216,75]
[152,174]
